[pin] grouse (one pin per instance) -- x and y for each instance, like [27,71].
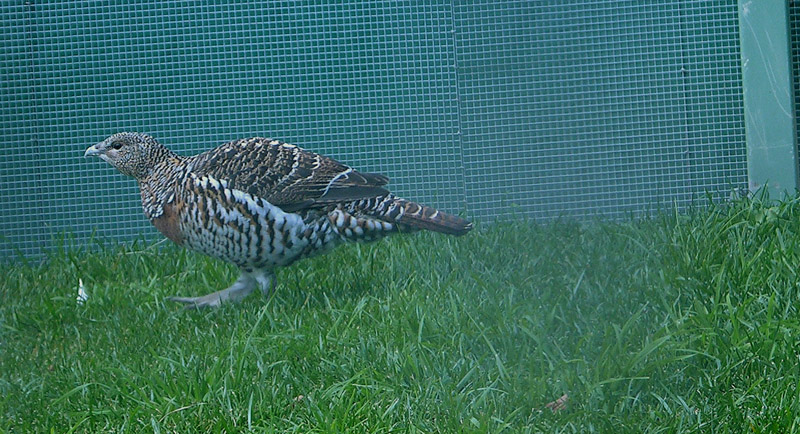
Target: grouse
[261,204]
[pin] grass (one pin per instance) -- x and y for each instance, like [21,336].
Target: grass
[680,323]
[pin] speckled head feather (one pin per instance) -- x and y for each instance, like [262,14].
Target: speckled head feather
[133,154]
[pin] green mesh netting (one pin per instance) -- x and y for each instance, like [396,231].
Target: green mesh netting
[493,109]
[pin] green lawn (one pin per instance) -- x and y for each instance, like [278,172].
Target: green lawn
[681,323]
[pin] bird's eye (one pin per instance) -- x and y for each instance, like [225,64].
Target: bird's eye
[116,145]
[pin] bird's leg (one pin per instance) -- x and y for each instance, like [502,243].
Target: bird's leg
[266,281]
[240,289]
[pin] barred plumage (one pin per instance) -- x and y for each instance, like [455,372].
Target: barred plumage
[262,204]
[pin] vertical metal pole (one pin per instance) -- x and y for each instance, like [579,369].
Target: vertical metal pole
[768,96]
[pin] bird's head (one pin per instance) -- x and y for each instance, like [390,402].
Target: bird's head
[133,154]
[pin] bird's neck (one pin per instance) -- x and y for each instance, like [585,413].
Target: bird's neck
[158,188]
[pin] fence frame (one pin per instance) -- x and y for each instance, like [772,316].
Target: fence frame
[768,93]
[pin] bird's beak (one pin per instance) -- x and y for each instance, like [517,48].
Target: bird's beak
[95,150]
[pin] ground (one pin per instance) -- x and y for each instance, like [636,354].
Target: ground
[684,322]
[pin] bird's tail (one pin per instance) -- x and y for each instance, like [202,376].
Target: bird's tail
[425,217]
[415,216]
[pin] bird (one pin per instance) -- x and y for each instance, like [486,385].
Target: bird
[262,204]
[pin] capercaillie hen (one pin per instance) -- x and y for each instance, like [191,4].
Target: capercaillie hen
[262,204]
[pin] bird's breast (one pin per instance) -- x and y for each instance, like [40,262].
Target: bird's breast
[233,225]
[168,223]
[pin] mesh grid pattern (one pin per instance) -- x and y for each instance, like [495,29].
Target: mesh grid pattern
[794,46]
[581,108]
[492,108]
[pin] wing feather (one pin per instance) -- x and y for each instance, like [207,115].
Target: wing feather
[286,175]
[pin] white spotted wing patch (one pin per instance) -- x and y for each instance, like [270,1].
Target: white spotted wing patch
[341,175]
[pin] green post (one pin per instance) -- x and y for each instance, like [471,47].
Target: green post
[768,96]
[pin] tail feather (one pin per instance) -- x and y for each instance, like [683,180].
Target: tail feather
[437,221]
[418,216]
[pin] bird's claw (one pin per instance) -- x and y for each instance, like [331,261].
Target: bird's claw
[235,293]
[207,301]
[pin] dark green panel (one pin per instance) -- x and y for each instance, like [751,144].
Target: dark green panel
[768,98]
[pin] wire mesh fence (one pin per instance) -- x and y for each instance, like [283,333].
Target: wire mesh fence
[490,109]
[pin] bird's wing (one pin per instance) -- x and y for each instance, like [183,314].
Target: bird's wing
[285,175]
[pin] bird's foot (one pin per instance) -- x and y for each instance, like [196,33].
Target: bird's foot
[235,293]
[211,300]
